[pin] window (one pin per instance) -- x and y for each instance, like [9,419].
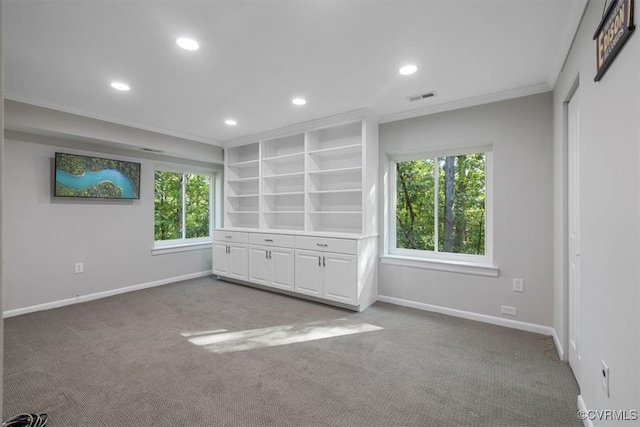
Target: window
[440,207]
[183,207]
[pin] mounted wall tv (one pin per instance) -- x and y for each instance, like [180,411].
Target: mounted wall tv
[95,177]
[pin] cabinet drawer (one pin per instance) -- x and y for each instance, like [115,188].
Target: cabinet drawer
[230,236]
[281,240]
[343,246]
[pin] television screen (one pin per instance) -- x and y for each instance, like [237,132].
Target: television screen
[94,177]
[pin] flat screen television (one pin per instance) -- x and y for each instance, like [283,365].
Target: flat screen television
[95,177]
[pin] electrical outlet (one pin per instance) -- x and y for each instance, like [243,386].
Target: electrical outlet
[518,285]
[605,378]
[509,311]
[79,268]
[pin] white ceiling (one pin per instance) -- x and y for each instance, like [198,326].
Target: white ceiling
[255,56]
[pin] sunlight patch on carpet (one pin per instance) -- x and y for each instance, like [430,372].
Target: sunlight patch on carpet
[194,333]
[277,335]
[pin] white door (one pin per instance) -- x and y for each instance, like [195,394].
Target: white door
[281,268]
[340,281]
[238,262]
[574,233]
[220,259]
[259,264]
[308,273]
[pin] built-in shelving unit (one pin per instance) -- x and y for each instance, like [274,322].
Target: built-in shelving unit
[242,169]
[312,180]
[301,210]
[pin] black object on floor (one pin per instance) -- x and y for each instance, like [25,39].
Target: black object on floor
[26,420]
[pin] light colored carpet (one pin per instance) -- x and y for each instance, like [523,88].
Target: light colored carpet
[128,360]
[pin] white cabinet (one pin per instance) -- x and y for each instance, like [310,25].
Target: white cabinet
[230,254]
[340,277]
[230,260]
[309,273]
[330,272]
[271,266]
[271,261]
[327,275]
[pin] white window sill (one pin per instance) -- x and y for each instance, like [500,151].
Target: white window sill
[180,247]
[442,265]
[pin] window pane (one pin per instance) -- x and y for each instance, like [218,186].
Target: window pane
[197,205]
[415,205]
[168,205]
[461,210]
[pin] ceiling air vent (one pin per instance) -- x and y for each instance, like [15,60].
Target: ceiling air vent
[151,150]
[421,96]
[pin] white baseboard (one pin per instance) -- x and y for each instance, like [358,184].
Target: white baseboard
[559,348]
[583,407]
[515,324]
[98,295]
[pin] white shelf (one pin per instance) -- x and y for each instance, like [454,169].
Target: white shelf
[284,212]
[285,175]
[284,193]
[244,165]
[238,196]
[338,151]
[346,190]
[253,178]
[335,171]
[337,212]
[315,178]
[285,158]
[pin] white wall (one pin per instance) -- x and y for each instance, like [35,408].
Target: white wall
[43,237]
[1,204]
[45,121]
[610,217]
[521,132]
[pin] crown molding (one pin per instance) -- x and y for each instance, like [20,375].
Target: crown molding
[337,119]
[12,96]
[469,102]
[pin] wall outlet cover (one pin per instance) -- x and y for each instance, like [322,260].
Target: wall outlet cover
[509,311]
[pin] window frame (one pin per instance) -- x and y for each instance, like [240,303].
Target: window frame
[433,258]
[194,243]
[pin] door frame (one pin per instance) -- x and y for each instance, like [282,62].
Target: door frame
[573,236]
[564,255]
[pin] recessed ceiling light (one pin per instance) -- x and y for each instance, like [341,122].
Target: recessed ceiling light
[298,101]
[230,122]
[187,44]
[408,69]
[120,86]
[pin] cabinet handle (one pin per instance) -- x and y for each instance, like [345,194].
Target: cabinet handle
[228,237]
[322,245]
[266,254]
[323,262]
[319,262]
[228,249]
[268,240]
[269,253]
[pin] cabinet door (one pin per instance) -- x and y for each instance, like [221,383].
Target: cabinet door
[282,262]
[220,258]
[259,264]
[340,278]
[309,273]
[238,262]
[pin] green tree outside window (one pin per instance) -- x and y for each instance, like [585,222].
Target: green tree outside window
[182,205]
